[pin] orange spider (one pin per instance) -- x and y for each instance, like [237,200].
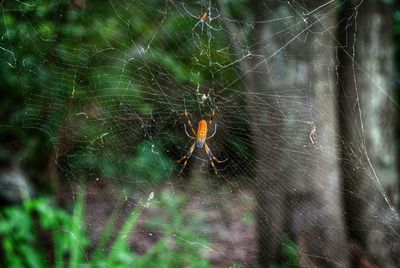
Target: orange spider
[203,18]
[200,141]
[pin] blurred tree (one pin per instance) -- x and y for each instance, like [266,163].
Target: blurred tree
[300,187]
[368,122]
[306,171]
[301,165]
[80,4]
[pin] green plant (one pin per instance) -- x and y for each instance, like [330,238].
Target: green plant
[290,252]
[149,162]
[24,228]
[179,234]
[39,234]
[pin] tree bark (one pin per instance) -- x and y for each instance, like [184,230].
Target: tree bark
[292,98]
[367,115]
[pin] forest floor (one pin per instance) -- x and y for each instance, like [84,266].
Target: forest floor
[223,216]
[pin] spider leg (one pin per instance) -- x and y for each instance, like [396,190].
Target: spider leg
[186,157]
[210,19]
[193,138]
[198,24]
[215,131]
[212,158]
[190,123]
[189,12]
[215,29]
[211,117]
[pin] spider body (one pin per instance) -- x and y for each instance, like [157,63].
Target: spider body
[201,133]
[204,18]
[200,140]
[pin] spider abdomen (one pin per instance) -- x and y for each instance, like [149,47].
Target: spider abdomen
[201,133]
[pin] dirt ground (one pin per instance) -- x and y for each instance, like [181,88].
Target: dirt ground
[224,214]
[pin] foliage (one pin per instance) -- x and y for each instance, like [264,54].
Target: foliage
[180,236]
[26,232]
[290,252]
[59,65]
[150,164]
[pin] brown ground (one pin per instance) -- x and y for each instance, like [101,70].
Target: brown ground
[224,214]
[225,217]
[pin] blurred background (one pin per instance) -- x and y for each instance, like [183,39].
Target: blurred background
[303,169]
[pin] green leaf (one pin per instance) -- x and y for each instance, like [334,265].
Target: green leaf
[78,243]
[120,243]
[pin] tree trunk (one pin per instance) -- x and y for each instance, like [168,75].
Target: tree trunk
[368,107]
[292,101]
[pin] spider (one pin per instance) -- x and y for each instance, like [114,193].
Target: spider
[200,140]
[203,19]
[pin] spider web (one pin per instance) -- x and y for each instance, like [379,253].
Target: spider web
[114,80]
